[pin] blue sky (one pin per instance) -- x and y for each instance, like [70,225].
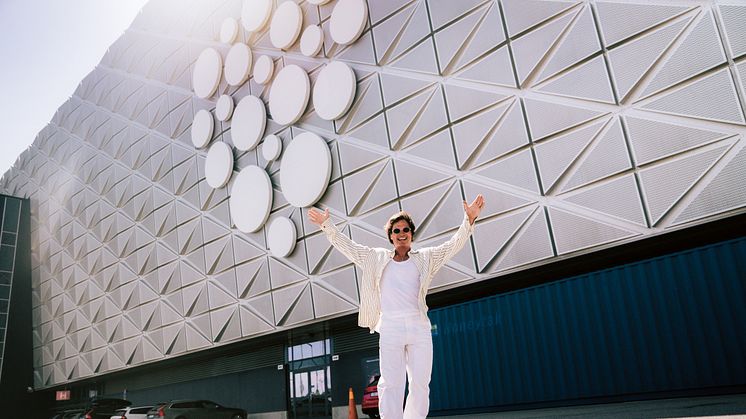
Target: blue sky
[46,48]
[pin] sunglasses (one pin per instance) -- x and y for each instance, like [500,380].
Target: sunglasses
[397,231]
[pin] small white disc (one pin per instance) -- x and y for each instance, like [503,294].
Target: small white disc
[281,237]
[229,30]
[219,165]
[255,14]
[224,108]
[237,64]
[305,170]
[206,73]
[251,199]
[311,40]
[263,69]
[348,21]
[271,147]
[202,127]
[249,121]
[286,25]
[334,91]
[289,94]
[318,2]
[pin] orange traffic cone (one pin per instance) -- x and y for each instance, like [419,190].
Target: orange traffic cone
[352,408]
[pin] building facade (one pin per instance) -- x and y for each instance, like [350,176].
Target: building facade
[593,128]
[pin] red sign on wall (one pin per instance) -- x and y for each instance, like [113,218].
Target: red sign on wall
[62,395]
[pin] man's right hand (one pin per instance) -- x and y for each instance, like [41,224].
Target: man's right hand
[318,217]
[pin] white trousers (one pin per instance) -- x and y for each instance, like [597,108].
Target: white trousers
[405,352]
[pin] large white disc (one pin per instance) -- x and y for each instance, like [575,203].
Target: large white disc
[305,170]
[311,40]
[255,14]
[206,73]
[237,64]
[219,165]
[281,237]
[249,121]
[348,21]
[286,25]
[202,127]
[229,30]
[289,94]
[251,199]
[334,90]
[263,69]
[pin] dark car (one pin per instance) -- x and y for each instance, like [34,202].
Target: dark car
[103,408]
[195,409]
[370,399]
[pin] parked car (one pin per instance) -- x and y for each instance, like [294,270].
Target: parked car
[195,409]
[139,412]
[370,399]
[104,408]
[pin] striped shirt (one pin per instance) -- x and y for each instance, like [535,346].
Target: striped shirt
[372,261]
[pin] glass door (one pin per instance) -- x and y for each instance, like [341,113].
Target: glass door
[310,394]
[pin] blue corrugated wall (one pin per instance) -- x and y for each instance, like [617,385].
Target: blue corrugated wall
[672,323]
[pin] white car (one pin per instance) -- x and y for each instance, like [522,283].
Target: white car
[139,412]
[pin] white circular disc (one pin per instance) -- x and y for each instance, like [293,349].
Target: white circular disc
[206,73]
[305,170]
[348,21]
[229,30]
[237,64]
[251,199]
[272,147]
[286,24]
[289,94]
[318,2]
[224,108]
[255,14]
[249,121]
[281,237]
[334,91]
[219,165]
[263,69]
[311,40]
[202,126]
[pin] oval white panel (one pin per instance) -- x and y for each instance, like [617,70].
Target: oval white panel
[255,14]
[305,170]
[289,94]
[271,147]
[238,64]
[206,73]
[202,126]
[334,90]
[311,40]
[251,199]
[219,165]
[281,237]
[249,121]
[318,2]
[229,30]
[224,108]
[286,25]
[263,69]
[348,21]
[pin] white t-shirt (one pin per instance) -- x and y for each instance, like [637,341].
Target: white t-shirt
[400,287]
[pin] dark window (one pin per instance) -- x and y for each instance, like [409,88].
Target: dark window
[3,306]
[185,405]
[7,253]
[9,238]
[10,221]
[3,319]
[4,291]
[5,278]
[141,410]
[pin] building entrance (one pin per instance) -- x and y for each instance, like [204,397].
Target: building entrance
[310,381]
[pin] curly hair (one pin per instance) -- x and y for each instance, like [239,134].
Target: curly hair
[399,216]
